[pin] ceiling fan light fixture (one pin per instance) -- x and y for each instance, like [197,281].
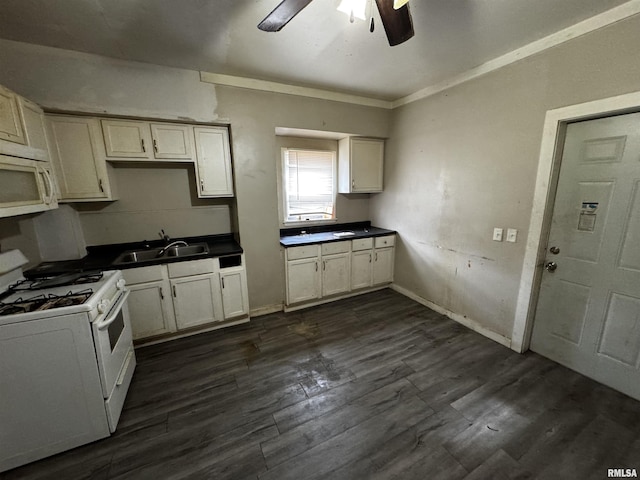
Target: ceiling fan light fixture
[399,4]
[354,8]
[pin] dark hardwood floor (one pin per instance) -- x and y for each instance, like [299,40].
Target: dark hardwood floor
[373,387]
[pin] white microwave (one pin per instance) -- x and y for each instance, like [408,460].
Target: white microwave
[26,186]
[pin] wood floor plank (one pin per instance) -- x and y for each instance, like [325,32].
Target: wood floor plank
[349,445]
[370,387]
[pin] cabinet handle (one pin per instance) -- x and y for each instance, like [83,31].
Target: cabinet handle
[353,184]
[324,265]
[175,294]
[316,266]
[369,258]
[222,282]
[142,143]
[161,294]
[155,145]
[100,185]
[376,256]
[202,184]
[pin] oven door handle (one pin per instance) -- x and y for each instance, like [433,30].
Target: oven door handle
[103,324]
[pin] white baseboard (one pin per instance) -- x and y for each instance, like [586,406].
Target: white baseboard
[293,308]
[466,321]
[266,310]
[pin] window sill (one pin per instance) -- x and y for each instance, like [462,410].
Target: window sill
[309,223]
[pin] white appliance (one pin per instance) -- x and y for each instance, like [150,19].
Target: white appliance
[26,186]
[66,360]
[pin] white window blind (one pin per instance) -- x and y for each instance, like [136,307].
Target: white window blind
[309,184]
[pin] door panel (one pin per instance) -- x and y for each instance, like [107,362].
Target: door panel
[621,334]
[629,251]
[588,313]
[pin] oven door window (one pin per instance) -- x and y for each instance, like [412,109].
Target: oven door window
[115,330]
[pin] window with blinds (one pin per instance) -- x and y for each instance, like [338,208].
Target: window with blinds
[309,185]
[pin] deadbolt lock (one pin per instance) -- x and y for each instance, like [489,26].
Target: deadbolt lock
[554,250]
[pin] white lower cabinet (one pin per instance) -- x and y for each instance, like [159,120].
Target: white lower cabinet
[382,266]
[197,300]
[151,306]
[234,292]
[315,272]
[166,299]
[361,267]
[303,280]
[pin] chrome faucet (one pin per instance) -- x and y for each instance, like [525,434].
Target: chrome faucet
[172,244]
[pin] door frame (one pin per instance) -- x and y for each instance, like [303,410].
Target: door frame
[553,136]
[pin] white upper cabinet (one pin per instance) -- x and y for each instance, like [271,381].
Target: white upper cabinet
[360,165]
[141,141]
[213,162]
[78,158]
[32,140]
[127,139]
[34,127]
[10,122]
[172,141]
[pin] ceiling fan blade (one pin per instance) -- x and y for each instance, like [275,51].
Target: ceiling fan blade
[397,23]
[282,14]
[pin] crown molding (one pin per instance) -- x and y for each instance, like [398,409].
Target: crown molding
[589,25]
[274,87]
[599,21]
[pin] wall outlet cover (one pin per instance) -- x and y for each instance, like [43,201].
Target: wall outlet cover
[497,234]
[512,235]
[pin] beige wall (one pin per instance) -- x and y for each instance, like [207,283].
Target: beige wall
[464,161]
[74,81]
[254,117]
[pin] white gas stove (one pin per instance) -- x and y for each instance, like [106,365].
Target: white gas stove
[66,360]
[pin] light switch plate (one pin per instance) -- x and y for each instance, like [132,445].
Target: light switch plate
[497,234]
[512,235]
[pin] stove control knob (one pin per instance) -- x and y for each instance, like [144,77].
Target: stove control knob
[120,284]
[103,306]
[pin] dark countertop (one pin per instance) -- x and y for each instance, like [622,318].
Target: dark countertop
[101,257]
[295,237]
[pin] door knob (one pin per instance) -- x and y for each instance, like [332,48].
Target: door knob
[554,250]
[551,266]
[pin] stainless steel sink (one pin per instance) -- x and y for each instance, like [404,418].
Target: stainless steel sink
[186,251]
[147,255]
[135,256]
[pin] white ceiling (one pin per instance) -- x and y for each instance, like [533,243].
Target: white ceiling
[319,48]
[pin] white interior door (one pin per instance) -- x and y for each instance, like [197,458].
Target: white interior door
[588,313]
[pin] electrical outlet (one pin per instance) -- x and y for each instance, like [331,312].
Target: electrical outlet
[497,234]
[512,235]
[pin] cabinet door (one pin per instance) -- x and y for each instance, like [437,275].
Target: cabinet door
[361,268]
[196,300]
[10,124]
[171,141]
[382,265]
[336,274]
[77,158]
[303,280]
[366,165]
[151,309]
[213,162]
[127,139]
[234,293]
[33,118]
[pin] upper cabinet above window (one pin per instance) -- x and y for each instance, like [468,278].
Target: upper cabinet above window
[360,165]
[141,141]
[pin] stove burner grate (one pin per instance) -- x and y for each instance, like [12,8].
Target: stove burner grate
[42,302]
